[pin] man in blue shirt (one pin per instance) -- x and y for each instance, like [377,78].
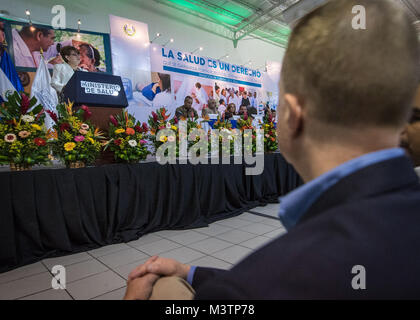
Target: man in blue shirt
[353,228]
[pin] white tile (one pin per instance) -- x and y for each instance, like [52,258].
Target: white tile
[49,295]
[123,257]
[22,272]
[84,269]
[275,233]
[214,229]
[26,286]
[168,233]
[210,245]
[236,236]
[148,238]
[256,242]
[159,247]
[234,222]
[66,260]
[113,295]
[272,222]
[258,228]
[183,255]
[125,270]
[188,237]
[232,254]
[251,217]
[211,262]
[271,209]
[95,286]
[108,249]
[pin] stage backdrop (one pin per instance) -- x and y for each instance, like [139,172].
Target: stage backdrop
[94,49]
[173,74]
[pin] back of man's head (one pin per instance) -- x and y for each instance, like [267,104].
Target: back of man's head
[354,77]
[31,32]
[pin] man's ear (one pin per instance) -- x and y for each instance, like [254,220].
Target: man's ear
[294,114]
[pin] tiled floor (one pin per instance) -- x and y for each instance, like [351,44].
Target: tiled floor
[101,274]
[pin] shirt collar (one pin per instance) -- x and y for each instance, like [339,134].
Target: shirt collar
[18,41]
[294,205]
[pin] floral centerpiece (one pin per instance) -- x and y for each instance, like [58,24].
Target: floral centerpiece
[159,120]
[270,134]
[225,130]
[127,138]
[76,141]
[245,123]
[23,136]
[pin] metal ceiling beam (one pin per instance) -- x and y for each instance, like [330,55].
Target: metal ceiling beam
[230,31]
[259,15]
[215,8]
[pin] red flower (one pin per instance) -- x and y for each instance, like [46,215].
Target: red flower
[64,127]
[138,129]
[24,104]
[175,120]
[130,131]
[117,142]
[155,116]
[145,127]
[40,114]
[113,120]
[86,114]
[53,116]
[39,142]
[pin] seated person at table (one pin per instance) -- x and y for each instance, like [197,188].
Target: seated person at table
[353,227]
[410,138]
[186,111]
[230,111]
[243,110]
[252,111]
[210,109]
[222,107]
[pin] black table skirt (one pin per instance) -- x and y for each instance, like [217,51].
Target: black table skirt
[47,213]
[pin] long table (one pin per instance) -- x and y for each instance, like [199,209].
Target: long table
[47,213]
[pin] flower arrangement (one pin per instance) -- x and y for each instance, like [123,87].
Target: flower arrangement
[127,138]
[159,121]
[225,128]
[270,134]
[75,139]
[23,140]
[245,123]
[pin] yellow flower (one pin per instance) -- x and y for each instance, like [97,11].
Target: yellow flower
[174,128]
[91,140]
[118,131]
[163,139]
[36,127]
[69,146]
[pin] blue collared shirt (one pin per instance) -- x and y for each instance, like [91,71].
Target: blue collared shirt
[294,205]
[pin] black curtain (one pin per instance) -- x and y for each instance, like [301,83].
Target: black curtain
[46,213]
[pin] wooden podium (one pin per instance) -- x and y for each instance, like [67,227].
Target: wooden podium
[104,95]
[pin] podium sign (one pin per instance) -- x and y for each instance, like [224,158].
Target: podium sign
[95,89]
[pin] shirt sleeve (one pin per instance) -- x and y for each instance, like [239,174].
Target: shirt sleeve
[190,276]
[56,82]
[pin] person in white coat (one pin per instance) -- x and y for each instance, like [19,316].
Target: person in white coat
[64,71]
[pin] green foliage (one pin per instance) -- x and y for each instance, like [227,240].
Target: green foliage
[127,138]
